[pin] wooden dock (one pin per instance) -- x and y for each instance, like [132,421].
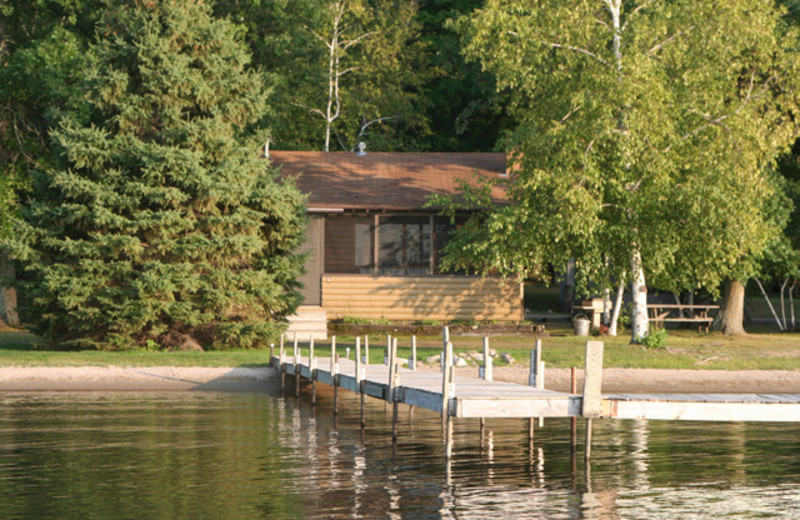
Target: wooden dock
[440,392]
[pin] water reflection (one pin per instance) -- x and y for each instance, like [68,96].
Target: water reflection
[207,455]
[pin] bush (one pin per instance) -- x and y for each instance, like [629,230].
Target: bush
[654,339]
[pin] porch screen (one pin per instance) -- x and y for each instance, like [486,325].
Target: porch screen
[404,245]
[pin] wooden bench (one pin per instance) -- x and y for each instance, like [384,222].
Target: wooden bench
[661,313]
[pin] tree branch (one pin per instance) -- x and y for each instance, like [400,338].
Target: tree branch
[578,49]
[661,45]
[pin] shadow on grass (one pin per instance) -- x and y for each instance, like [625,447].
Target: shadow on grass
[19,340]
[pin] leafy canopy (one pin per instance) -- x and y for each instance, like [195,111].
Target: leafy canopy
[643,126]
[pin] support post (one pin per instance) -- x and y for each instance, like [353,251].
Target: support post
[312,368]
[296,368]
[573,435]
[366,349]
[485,371]
[282,365]
[394,381]
[412,361]
[445,341]
[448,380]
[358,364]
[335,377]
[592,389]
[593,380]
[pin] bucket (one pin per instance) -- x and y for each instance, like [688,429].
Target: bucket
[581,324]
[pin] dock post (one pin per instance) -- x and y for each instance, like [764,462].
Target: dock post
[412,361]
[573,436]
[366,349]
[447,385]
[282,365]
[358,364]
[334,371]
[485,371]
[360,374]
[312,368]
[592,389]
[388,348]
[394,382]
[271,352]
[445,341]
[535,379]
[296,368]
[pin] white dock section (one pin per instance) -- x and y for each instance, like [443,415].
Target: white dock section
[475,398]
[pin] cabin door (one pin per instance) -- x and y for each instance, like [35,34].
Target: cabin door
[314,246]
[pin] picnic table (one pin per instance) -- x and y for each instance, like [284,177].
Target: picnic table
[662,313]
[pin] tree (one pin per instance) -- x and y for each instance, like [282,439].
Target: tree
[465,111]
[160,224]
[41,52]
[341,70]
[645,132]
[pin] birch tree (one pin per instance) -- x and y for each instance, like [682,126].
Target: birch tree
[645,130]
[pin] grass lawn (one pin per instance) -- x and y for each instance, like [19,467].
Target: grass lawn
[685,350]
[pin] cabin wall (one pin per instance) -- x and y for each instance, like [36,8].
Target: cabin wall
[413,298]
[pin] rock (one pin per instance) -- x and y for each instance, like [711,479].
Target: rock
[492,352]
[461,362]
[505,356]
[478,357]
[433,360]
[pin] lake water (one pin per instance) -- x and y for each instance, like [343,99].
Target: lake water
[201,455]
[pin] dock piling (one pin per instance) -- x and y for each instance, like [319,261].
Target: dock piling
[592,384]
[485,370]
[282,365]
[412,361]
[296,368]
[573,421]
[312,366]
[366,349]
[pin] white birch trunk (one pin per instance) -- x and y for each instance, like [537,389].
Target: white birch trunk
[612,328]
[639,321]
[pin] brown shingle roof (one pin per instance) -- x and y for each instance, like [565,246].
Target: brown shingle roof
[381,180]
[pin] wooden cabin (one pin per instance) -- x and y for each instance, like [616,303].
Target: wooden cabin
[375,249]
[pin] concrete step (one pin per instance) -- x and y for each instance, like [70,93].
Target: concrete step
[307,323]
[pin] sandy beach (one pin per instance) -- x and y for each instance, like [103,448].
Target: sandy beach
[111,378]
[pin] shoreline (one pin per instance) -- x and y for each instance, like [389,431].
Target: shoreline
[615,380]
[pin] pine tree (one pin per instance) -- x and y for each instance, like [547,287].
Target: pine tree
[162,225]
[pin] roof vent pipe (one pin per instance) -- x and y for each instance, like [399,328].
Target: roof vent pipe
[362,148]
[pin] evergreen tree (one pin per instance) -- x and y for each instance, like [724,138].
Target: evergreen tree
[162,225]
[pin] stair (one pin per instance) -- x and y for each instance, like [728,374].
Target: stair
[308,322]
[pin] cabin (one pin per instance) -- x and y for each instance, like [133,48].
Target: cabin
[375,249]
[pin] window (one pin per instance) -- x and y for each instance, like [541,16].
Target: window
[406,244]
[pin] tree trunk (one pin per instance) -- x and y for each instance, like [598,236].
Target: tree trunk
[612,328]
[639,321]
[8,295]
[730,319]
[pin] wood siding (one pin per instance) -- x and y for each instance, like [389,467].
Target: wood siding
[410,298]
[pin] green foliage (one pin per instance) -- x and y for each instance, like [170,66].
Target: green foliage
[650,132]
[381,69]
[160,221]
[654,339]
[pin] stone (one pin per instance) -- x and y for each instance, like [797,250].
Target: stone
[461,362]
[505,356]
[433,360]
